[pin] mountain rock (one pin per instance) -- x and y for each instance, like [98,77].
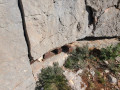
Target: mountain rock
[15,70]
[106,17]
[54,23]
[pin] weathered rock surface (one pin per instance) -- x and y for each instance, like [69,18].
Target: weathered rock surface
[75,81]
[112,79]
[50,24]
[106,15]
[53,23]
[15,70]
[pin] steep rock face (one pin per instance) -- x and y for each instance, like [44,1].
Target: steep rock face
[106,14]
[15,70]
[53,23]
[49,24]
[109,23]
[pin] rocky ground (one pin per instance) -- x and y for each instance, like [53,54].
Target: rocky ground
[94,74]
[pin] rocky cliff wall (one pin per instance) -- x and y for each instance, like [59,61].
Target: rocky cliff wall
[15,70]
[53,23]
[106,15]
[30,28]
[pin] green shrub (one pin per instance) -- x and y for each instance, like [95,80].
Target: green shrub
[52,78]
[72,62]
[77,58]
[110,52]
[100,78]
[114,67]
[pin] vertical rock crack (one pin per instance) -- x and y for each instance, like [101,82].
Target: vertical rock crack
[20,5]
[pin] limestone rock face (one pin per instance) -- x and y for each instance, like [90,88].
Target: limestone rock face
[15,70]
[49,24]
[53,23]
[106,15]
[109,23]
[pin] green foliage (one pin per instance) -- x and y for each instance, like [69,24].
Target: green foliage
[52,78]
[77,58]
[100,78]
[98,73]
[72,62]
[110,52]
[91,85]
[115,68]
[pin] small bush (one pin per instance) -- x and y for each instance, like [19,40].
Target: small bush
[110,52]
[100,78]
[52,78]
[77,58]
[114,67]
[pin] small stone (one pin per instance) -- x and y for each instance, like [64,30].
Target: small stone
[89,76]
[92,73]
[118,59]
[107,71]
[40,59]
[102,89]
[79,71]
[101,74]
[71,82]
[106,62]
[112,79]
[119,83]
[25,70]
[48,55]
[116,87]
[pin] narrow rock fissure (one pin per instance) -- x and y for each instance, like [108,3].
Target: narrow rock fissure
[61,22]
[91,16]
[118,4]
[20,5]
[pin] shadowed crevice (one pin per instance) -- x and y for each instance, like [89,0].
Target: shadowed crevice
[20,5]
[90,15]
[96,38]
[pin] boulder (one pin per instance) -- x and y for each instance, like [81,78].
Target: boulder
[109,23]
[15,70]
[54,23]
[106,15]
[112,79]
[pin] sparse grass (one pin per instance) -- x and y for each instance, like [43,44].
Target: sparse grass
[52,78]
[115,68]
[91,85]
[95,58]
[100,78]
[78,57]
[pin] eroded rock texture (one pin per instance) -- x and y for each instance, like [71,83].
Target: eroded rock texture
[42,25]
[15,70]
[53,23]
[106,15]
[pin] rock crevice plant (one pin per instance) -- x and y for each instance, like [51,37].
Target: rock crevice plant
[52,78]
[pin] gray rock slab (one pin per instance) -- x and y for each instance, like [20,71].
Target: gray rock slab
[99,6]
[109,23]
[15,70]
[53,23]
[106,15]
